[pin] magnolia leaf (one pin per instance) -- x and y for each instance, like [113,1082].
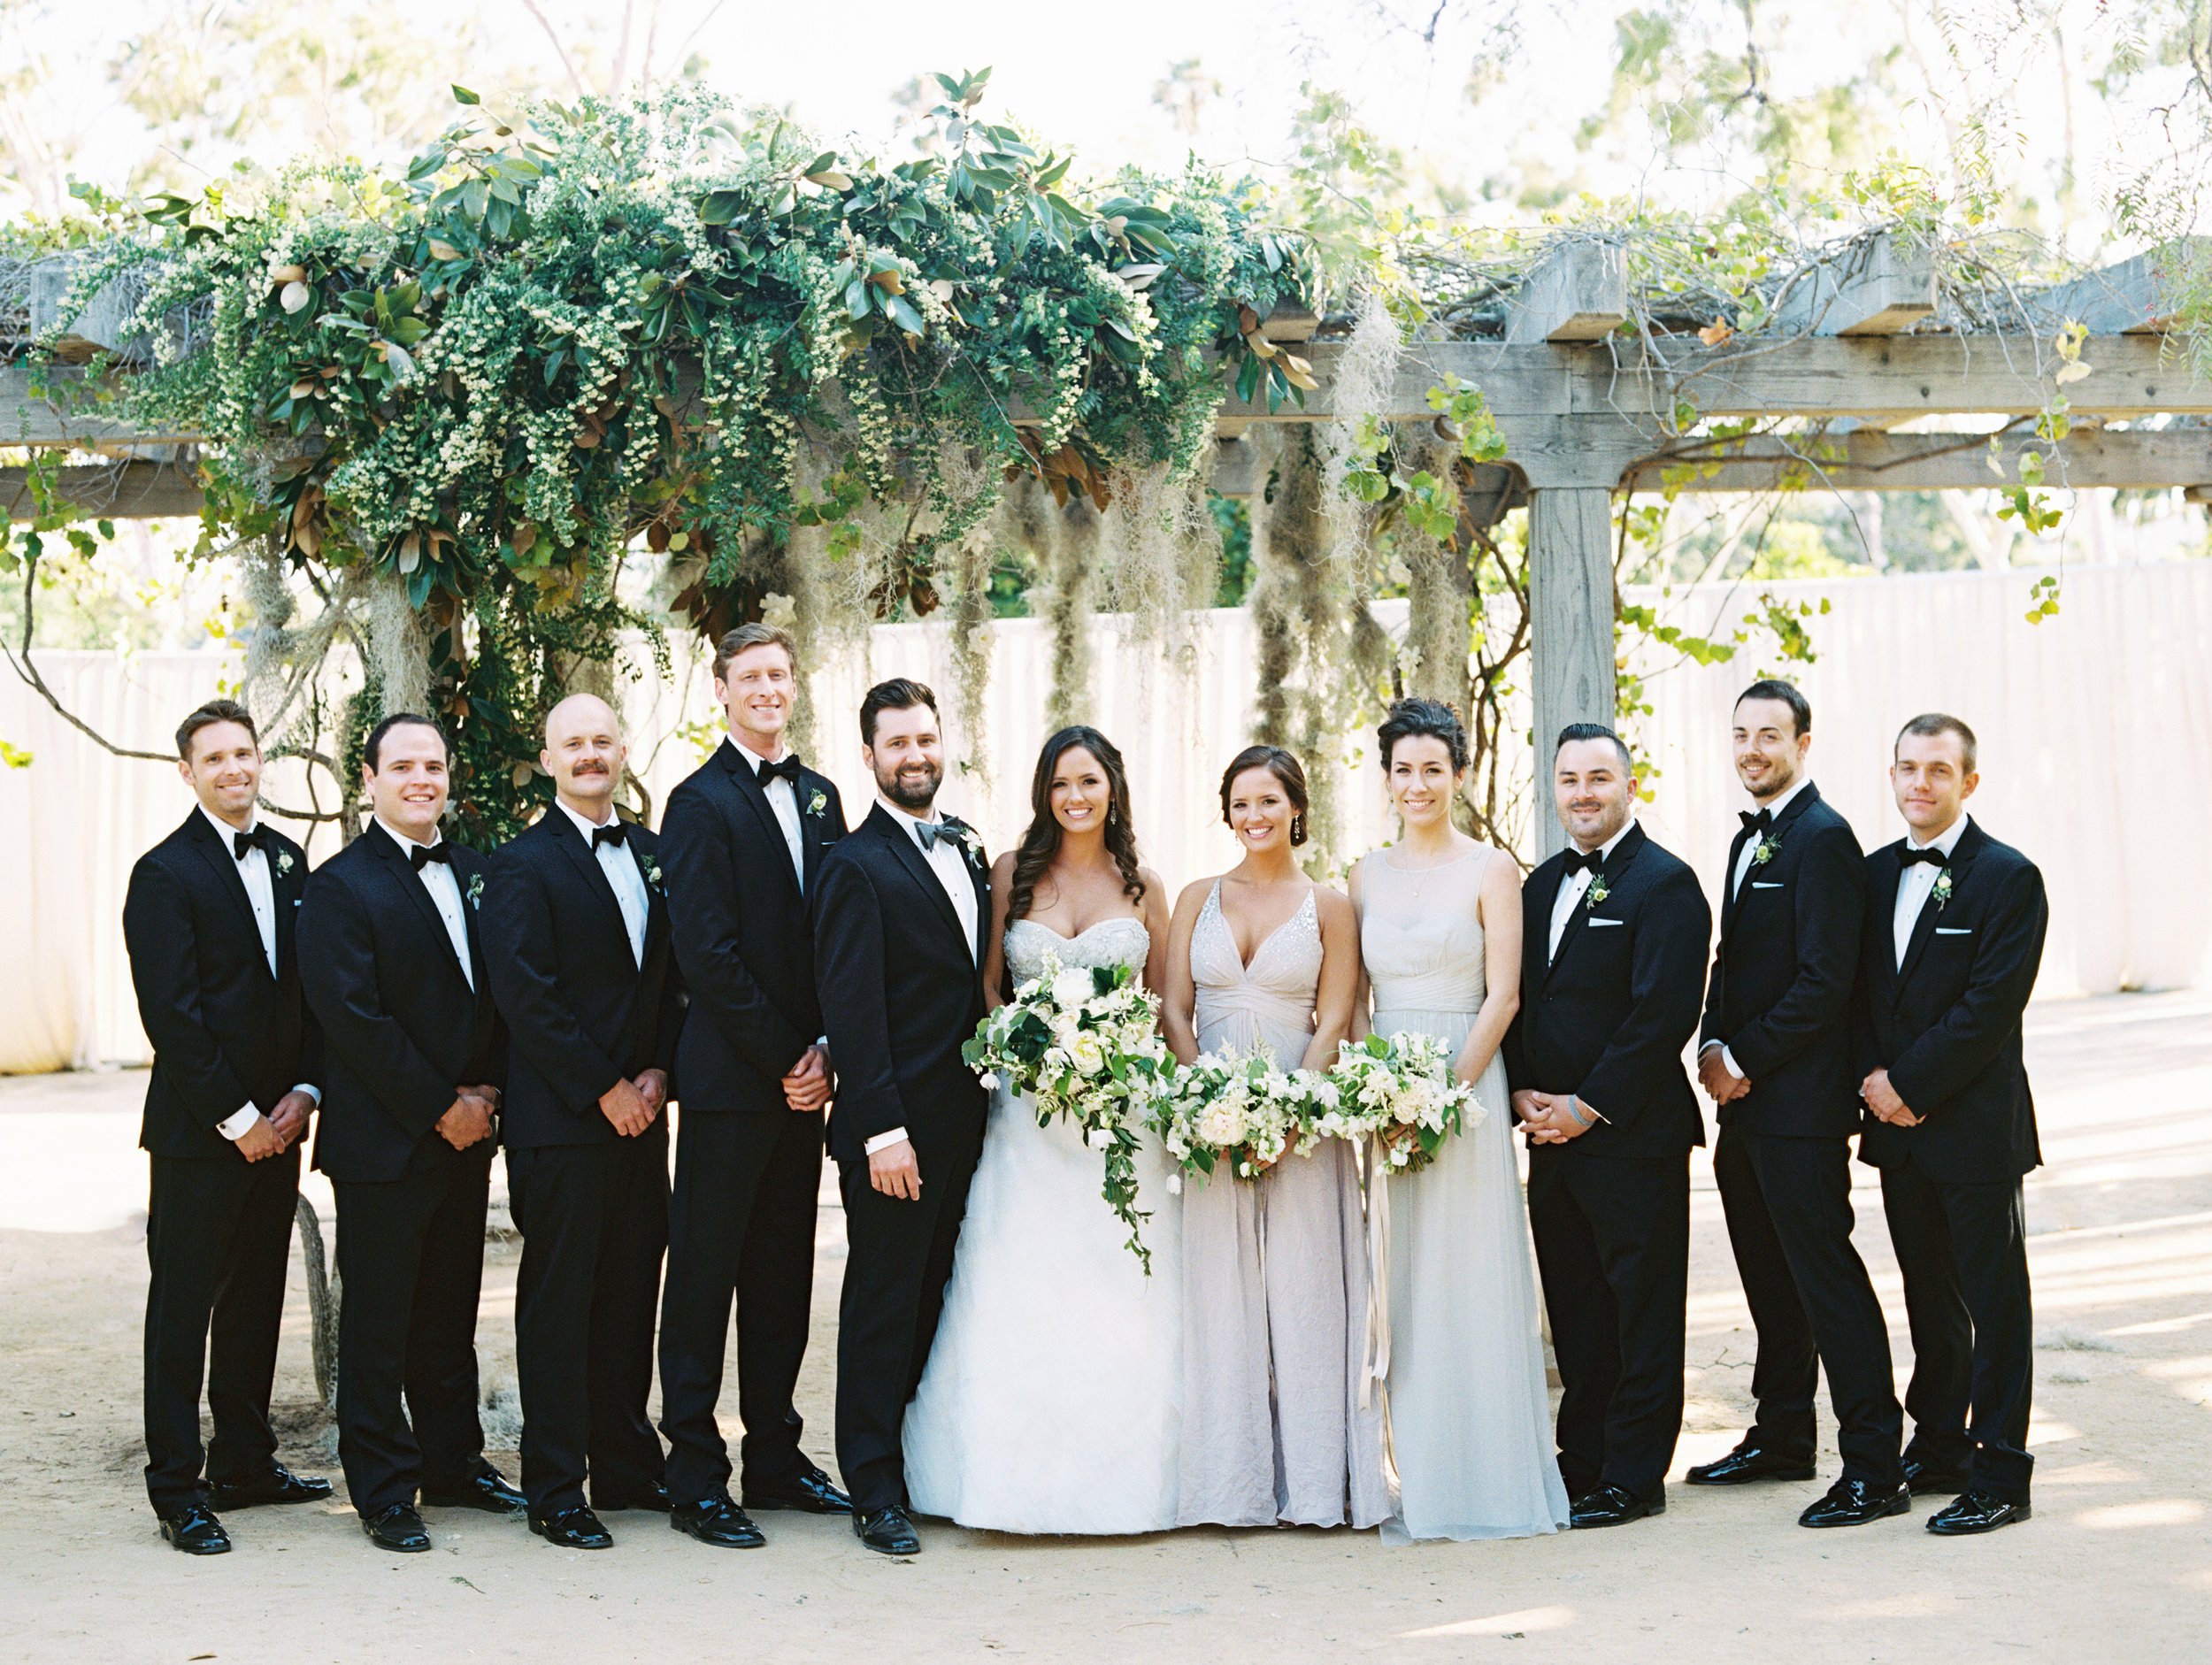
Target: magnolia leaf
[279,275]
[305,386]
[888,279]
[903,315]
[402,363]
[295,296]
[441,249]
[409,552]
[1260,345]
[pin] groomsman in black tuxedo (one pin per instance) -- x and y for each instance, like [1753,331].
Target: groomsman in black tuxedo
[899,944]
[1954,928]
[743,841]
[1612,975]
[1777,1059]
[208,922]
[415,1055]
[576,929]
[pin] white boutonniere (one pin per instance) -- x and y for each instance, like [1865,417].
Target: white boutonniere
[284,862]
[1941,894]
[971,842]
[651,869]
[1596,894]
[818,804]
[1767,845]
[476,891]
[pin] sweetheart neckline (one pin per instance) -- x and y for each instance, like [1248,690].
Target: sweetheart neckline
[1097,924]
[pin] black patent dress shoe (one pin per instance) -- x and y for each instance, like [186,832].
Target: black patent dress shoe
[397,1528]
[1854,1502]
[655,1498]
[811,1492]
[1749,1461]
[1611,1506]
[572,1528]
[1923,1479]
[715,1521]
[195,1530]
[887,1532]
[486,1491]
[278,1486]
[1977,1512]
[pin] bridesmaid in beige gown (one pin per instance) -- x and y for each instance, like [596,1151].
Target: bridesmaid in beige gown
[1263,960]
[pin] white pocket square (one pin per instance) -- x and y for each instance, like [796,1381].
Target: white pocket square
[1595,922]
[1766,884]
[1954,931]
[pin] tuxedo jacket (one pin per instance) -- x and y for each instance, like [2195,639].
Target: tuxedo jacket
[902,988]
[1779,997]
[402,1029]
[743,930]
[1946,1025]
[225,1032]
[581,1012]
[1607,1018]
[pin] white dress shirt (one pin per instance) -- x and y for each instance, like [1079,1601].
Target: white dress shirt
[1563,907]
[783,800]
[949,861]
[1918,880]
[444,885]
[253,871]
[623,876]
[1742,870]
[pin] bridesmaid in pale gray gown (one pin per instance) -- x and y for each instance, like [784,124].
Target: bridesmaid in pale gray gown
[1263,960]
[1440,937]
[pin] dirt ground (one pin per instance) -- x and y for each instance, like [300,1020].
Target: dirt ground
[2116,1564]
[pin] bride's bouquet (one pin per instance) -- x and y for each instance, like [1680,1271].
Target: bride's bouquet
[1400,1090]
[1083,1042]
[1242,1112]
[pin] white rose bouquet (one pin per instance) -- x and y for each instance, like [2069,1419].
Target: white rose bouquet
[1241,1112]
[1398,1089]
[1084,1043]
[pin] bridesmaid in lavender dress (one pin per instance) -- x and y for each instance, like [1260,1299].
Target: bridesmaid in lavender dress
[1262,960]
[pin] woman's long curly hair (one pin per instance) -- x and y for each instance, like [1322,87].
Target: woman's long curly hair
[1041,843]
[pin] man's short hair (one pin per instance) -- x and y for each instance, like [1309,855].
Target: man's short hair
[373,747]
[213,712]
[1592,730]
[1775,688]
[1931,724]
[756,635]
[900,694]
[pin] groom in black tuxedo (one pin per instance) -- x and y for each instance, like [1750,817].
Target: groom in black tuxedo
[237,1064]
[899,930]
[1954,929]
[1777,1059]
[393,961]
[743,840]
[1614,931]
[576,943]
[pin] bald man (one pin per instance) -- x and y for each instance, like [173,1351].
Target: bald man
[578,950]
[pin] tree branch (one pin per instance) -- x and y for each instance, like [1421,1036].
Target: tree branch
[19,658]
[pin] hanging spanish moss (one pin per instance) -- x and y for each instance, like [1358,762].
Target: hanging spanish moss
[1068,597]
[1433,664]
[1162,561]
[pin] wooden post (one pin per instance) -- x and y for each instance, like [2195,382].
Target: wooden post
[1571,626]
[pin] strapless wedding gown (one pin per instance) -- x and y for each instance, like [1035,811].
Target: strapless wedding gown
[1470,1420]
[1051,1401]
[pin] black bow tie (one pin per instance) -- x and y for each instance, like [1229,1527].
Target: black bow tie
[613,833]
[1931,855]
[244,844]
[788,768]
[1585,861]
[423,854]
[1761,822]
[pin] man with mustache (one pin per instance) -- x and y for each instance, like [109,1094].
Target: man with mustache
[576,924]
[899,942]
[743,840]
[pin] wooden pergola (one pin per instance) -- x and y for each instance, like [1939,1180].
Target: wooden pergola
[1588,409]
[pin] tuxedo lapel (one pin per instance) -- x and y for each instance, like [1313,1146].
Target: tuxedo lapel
[585,859]
[980,881]
[909,855]
[1615,866]
[1924,927]
[399,865]
[1732,898]
[754,797]
[281,889]
[811,845]
[224,864]
[1728,892]
[656,921]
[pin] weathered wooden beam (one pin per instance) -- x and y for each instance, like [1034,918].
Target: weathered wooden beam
[1571,626]
[1290,324]
[134,490]
[1879,285]
[68,412]
[2141,295]
[1869,460]
[1579,292]
[101,326]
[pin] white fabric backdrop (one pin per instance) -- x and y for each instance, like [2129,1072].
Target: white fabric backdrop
[2096,731]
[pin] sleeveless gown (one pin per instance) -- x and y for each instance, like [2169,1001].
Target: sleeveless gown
[1470,1418]
[1051,1400]
[1275,1279]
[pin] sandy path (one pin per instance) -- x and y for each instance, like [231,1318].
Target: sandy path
[2116,1564]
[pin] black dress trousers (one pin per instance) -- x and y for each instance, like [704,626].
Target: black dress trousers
[218,1240]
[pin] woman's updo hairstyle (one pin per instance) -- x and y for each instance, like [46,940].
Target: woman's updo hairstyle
[1409,719]
[1288,773]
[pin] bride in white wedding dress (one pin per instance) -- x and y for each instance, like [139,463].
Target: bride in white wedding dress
[1051,1401]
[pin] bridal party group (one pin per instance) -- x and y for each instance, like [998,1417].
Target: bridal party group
[1323,1337]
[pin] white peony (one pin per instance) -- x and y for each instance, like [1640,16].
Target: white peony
[1100,1138]
[1088,1056]
[1070,988]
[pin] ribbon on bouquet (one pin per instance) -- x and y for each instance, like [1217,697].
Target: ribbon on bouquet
[1374,1184]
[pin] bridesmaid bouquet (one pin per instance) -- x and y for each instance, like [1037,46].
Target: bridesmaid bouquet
[1244,1112]
[1400,1090]
[1084,1043]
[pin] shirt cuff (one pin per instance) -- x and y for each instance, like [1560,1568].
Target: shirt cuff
[234,1126]
[1728,1062]
[311,1090]
[884,1141]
